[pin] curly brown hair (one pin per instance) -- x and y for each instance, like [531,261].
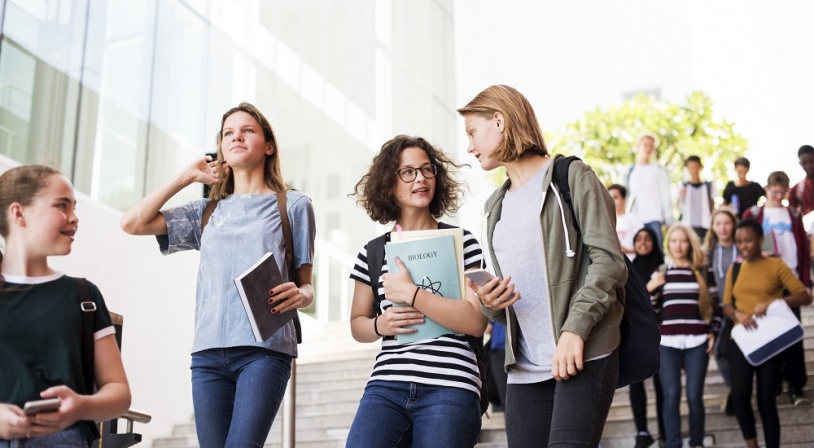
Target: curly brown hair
[374,191]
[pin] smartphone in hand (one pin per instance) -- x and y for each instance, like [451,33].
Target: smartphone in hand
[37,406]
[479,276]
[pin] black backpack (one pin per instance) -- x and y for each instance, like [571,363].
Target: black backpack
[375,258]
[639,348]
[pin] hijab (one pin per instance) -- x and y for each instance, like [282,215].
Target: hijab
[645,265]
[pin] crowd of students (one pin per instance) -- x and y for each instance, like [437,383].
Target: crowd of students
[693,288]
[556,298]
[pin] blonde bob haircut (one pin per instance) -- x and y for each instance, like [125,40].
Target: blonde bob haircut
[522,136]
[698,264]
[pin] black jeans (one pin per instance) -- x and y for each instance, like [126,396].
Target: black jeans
[768,375]
[569,413]
[638,404]
[794,360]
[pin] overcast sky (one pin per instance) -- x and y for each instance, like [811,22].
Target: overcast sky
[754,58]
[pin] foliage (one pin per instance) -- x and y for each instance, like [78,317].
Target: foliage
[606,138]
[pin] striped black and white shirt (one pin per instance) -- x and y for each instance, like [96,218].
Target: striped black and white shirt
[447,360]
[682,326]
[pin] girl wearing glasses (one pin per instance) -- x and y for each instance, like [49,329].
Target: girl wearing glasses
[423,393]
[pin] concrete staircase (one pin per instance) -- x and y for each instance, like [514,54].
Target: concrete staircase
[333,369]
[797,423]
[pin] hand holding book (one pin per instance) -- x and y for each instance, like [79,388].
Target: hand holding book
[399,287]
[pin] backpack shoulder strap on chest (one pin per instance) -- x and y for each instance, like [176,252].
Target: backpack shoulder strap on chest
[375,259]
[561,181]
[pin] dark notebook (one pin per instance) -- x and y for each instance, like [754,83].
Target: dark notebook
[254,286]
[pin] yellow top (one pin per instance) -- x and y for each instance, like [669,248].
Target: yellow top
[760,281]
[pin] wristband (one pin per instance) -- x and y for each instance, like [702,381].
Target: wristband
[417,288]
[376,327]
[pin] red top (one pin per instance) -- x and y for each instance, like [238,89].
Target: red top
[801,196]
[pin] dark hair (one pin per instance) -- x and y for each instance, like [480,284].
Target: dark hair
[743,161]
[805,149]
[778,178]
[271,171]
[645,265]
[21,185]
[695,159]
[374,191]
[622,190]
[751,224]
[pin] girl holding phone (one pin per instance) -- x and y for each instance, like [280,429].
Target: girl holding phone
[41,321]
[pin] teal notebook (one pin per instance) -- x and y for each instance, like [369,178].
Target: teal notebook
[433,267]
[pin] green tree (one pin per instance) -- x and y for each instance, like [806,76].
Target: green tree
[606,138]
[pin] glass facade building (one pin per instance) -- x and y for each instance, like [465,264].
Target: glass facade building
[121,94]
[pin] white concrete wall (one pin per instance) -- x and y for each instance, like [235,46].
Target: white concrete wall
[155,294]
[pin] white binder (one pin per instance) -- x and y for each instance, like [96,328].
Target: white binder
[775,332]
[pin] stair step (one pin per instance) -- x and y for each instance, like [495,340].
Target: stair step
[333,369]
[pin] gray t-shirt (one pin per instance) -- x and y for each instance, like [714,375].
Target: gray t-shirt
[242,229]
[518,243]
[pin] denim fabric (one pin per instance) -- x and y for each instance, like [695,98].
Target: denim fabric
[656,227]
[397,414]
[236,393]
[68,438]
[694,362]
[568,413]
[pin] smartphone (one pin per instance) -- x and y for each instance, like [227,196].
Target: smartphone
[479,276]
[46,405]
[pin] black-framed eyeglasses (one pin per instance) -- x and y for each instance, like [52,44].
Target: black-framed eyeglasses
[409,174]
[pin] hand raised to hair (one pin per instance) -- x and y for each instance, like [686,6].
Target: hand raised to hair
[208,171]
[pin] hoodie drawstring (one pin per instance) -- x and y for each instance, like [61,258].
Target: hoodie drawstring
[568,252]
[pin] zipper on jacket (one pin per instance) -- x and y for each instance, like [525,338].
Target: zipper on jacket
[548,280]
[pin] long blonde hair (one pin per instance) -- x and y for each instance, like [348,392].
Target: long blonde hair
[697,259]
[271,170]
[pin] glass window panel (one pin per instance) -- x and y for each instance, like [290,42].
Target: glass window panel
[53,30]
[114,110]
[178,131]
[37,109]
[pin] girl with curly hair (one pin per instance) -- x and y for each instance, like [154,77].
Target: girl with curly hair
[422,393]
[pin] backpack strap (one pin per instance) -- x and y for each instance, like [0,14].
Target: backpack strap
[375,259]
[87,306]
[736,268]
[561,167]
[208,209]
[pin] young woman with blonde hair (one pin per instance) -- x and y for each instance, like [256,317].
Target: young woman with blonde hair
[556,288]
[691,317]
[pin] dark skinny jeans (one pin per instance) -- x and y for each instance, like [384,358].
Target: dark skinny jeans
[568,413]
[768,375]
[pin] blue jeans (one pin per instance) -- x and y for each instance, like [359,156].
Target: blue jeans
[568,413]
[396,414]
[236,393]
[694,362]
[656,227]
[71,437]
